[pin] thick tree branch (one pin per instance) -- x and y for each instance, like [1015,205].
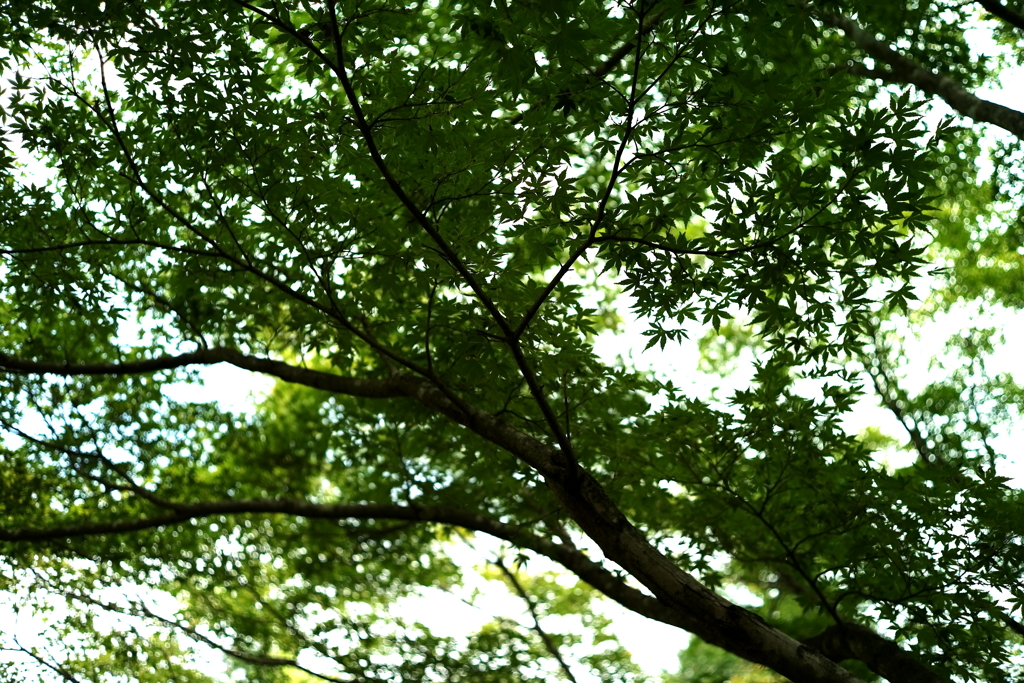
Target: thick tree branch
[998,9]
[881,655]
[682,600]
[679,596]
[572,559]
[1011,623]
[734,617]
[534,453]
[906,71]
[696,608]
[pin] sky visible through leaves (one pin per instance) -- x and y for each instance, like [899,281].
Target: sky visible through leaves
[655,646]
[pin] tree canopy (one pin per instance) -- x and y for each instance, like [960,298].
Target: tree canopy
[419,219]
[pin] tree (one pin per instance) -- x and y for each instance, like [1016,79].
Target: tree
[417,218]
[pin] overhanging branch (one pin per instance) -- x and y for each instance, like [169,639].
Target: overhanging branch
[998,9]
[365,388]
[534,453]
[906,71]
[683,601]
[572,559]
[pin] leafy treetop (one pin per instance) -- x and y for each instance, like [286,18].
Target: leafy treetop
[417,217]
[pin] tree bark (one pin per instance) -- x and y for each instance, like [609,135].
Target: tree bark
[906,71]
[881,655]
[682,600]
[998,9]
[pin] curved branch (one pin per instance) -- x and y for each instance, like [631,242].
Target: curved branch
[259,660]
[906,71]
[41,661]
[140,610]
[365,388]
[685,602]
[543,458]
[887,389]
[572,559]
[883,656]
[895,400]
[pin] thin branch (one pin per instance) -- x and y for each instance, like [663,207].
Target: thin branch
[259,660]
[109,242]
[602,206]
[564,457]
[732,251]
[244,262]
[59,670]
[130,484]
[532,609]
[790,552]
[136,178]
[619,54]
[365,131]
[895,399]
[888,391]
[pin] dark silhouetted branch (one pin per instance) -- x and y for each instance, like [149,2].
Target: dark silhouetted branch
[908,72]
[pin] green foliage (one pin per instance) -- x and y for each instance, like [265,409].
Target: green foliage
[420,219]
[701,663]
